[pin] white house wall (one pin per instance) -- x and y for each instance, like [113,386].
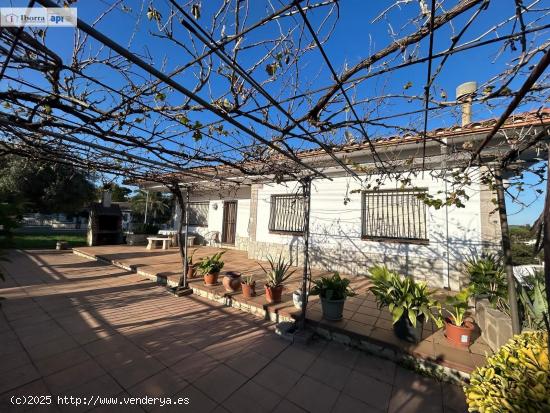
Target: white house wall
[215,214]
[335,233]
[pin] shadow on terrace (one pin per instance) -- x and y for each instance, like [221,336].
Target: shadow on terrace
[362,319]
[69,331]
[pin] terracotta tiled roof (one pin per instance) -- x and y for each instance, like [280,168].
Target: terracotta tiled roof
[522,119]
[525,119]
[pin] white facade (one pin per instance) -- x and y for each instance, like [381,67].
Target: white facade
[216,202]
[336,241]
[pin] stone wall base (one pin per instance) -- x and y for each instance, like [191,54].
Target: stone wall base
[417,364]
[496,327]
[430,270]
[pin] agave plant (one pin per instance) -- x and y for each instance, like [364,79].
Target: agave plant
[278,271]
[533,300]
[211,265]
[403,296]
[190,258]
[248,280]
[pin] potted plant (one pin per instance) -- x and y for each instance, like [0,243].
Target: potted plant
[333,292]
[210,268]
[275,277]
[488,279]
[232,281]
[458,330]
[409,302]
[248,286]
[191,268]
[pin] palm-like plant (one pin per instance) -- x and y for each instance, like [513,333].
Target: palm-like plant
[278,271]
[403,296]
[156,204]
[488,279]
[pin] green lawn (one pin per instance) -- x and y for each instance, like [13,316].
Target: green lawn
[42,241]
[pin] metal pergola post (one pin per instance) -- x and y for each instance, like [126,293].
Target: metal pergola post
[506,248]
[306,189]
[146,207]
[185,237]
[546,240]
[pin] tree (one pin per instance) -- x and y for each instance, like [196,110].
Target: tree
[158,206]
[44,187]
[118,193]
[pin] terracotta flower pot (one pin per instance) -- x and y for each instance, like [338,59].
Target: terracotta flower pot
[191,271]
[211,278]
[232,281]
[273,294]
[460,336]
[249,290]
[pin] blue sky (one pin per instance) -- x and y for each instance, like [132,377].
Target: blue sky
[354,37]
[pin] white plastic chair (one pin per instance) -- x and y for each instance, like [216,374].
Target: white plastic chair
[213,238]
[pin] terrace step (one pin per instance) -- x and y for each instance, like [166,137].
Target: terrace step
[364,326]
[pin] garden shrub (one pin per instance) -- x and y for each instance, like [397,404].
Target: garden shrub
[515,379]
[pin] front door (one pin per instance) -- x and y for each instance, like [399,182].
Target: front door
[229,222]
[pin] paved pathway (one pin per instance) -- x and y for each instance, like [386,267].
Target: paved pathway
[72,327]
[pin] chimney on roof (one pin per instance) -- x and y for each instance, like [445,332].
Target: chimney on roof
[465,94]
[106,196]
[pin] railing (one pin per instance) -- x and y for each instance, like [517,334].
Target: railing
[287,214]
[394,215]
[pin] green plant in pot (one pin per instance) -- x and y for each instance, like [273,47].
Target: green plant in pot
[458,329]
[409,302]
[276,275]
[333,291]
[488,279]
[210,268]
[248,286]
[191,267]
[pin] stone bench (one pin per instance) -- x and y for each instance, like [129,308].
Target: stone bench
[152,242]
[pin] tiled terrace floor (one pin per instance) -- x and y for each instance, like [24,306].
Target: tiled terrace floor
[74,327]
[361,317]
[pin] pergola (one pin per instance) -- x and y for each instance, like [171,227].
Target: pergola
[117,110]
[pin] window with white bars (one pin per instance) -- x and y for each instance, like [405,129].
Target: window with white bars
[198,214]
[394,215]
[287,213]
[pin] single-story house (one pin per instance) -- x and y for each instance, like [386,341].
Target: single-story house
[353,228]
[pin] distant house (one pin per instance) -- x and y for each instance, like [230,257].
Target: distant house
[351,228]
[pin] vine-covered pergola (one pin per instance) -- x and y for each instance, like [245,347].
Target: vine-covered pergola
[194,94]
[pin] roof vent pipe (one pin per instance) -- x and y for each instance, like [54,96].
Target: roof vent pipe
[465,95]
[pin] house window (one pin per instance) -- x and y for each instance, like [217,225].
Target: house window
[394,215]
[198,214]
[287,213]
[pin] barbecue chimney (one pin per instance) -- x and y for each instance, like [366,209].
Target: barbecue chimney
[465,95]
